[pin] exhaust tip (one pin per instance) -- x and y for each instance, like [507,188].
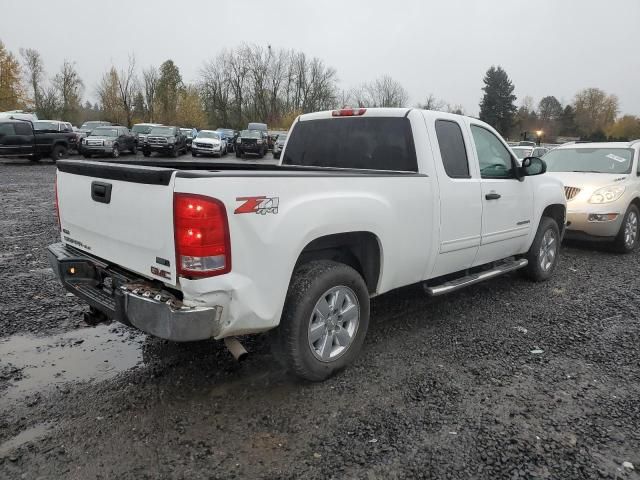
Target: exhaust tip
[235,348]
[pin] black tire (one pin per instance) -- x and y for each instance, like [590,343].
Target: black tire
[146,153]
[59,152]
[86,155]
[290,341]
[535,270]
[115,153]
[276,156]
[238,154]
[174,152]
[622,244]
[34,159]
[134,149]
[193,154]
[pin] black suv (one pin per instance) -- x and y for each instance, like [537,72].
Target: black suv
[165,140]
[252,141]
[110,141]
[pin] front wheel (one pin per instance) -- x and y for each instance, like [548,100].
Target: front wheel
[59,152]
[627,238]
[544,251]
[238,154]
[324,322]
[115,153]
[134,149]
[146,153]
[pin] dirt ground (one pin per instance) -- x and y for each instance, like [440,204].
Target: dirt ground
[507,379]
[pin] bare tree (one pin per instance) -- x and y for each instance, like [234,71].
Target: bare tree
[69,86]
[34,70]
[150,78]
[127,88]
[432,103]
[109,94]
[382,92]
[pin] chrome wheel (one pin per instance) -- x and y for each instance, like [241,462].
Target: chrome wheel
[548,250]
[631,229]
[334,323]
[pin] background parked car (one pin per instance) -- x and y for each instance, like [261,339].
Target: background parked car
[189,134]
[602,186]
[19,115]
[278,145]
[229,134]
[209,142]
[87,127]
[110,141]
[253,142]
[167,140]
[524,151]
[141,130]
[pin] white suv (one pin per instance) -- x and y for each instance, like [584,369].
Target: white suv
[602,186]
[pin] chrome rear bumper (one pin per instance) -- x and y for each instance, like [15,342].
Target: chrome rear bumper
[131,299]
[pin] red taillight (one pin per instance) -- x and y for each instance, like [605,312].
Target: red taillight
[55,184]
[201,229]
[348,112]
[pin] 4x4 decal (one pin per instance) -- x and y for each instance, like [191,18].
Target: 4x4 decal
[260,205]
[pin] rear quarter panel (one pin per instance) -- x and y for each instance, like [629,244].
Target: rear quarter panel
[265,247]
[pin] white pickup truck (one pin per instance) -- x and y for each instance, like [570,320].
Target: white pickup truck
[363,201]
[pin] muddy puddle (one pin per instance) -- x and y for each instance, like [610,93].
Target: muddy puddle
[39,364]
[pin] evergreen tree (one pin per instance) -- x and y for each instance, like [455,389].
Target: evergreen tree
[497,107]
[168,90]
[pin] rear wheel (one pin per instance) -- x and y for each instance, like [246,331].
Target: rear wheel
[324,322]
[544,251]
[627,238]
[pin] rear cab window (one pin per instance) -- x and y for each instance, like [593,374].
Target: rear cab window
[369,143]
[452,149]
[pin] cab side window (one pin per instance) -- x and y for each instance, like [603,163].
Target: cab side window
[23,129]
[6,129]
[494,158]
[452,149]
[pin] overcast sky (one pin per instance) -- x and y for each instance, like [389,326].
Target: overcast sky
[444,47]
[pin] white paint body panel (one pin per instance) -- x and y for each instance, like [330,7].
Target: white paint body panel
[427,224]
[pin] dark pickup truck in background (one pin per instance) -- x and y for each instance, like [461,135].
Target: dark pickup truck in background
[19,139]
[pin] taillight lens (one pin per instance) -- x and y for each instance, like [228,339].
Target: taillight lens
[349,112]
[55,186]
[201,231]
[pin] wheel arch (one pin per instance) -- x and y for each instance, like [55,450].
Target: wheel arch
[360,250]
[558,213]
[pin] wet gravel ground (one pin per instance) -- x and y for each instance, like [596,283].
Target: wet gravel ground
[507,379]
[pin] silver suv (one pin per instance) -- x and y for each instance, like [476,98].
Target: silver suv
[602,186]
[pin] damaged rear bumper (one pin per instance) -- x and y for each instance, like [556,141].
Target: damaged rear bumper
[131,299]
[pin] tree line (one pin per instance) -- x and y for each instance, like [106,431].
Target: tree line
[591,115]
[253,83]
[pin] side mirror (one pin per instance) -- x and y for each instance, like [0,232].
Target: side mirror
[532,166]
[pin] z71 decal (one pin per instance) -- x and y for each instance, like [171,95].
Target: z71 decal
[259,205]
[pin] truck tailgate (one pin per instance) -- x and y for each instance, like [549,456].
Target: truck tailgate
[122,214]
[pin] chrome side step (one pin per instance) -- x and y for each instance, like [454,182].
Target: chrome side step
[459,283]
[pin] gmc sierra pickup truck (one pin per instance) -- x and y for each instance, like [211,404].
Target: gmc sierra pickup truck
[195,250]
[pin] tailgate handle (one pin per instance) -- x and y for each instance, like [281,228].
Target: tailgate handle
[101,192]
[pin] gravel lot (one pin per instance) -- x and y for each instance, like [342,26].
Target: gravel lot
[507,379]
